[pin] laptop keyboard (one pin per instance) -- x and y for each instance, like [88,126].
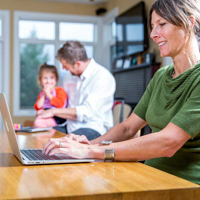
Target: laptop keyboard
[36,154]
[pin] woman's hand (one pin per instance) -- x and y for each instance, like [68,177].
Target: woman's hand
[79,138]
[67,146]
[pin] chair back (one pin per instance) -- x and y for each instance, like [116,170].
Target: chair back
[121,111]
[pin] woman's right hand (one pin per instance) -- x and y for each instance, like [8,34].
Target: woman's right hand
[68,147]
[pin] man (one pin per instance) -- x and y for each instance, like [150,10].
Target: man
[90,88]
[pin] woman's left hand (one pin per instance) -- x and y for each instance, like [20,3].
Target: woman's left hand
[68,147]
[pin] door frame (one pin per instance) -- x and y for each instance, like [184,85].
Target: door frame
[5,55]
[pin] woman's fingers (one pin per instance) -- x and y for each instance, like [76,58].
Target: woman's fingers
[59,151]
[79,138]
[51,144]
[70,145]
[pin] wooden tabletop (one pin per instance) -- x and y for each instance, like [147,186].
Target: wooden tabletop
[85,181]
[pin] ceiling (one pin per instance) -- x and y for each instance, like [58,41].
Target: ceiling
[79,1]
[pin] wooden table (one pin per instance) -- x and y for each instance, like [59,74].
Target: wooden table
[86,181]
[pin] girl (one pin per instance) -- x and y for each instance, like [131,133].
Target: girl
[50,96]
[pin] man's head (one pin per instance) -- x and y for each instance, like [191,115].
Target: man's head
[73,57]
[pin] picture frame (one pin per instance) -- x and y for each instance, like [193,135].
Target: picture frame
[134,61]
[127,63]
[119,63]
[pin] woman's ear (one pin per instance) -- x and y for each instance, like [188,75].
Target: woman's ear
[192,20]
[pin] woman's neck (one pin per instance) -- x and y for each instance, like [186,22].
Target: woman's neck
[185,61]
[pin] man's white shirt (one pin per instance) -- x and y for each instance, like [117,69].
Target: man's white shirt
[92,94]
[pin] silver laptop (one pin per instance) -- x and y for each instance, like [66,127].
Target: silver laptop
[29,129]
[29,156]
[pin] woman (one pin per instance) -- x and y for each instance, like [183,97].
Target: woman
[170,105]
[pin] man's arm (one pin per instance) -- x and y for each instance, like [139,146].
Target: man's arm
[65,113]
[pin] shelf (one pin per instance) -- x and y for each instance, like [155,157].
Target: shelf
[132,67]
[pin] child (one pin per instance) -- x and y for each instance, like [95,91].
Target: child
[50,96]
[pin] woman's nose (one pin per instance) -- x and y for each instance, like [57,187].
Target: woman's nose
[154,34]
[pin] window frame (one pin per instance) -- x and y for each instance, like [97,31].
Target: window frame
[108,40]
[5,68]
[34,16]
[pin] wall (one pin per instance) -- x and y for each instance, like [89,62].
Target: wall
[125,5]
[39,6]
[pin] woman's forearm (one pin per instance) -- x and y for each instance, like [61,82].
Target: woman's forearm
[160,144]
[123,131]
[114,134]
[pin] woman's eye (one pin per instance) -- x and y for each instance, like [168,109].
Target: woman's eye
[162,24]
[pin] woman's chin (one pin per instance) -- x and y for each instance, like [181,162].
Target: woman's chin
[162,54]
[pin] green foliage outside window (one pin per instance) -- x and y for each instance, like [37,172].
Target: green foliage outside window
[31,57]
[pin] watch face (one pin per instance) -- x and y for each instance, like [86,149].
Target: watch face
[109,155]
[106,142]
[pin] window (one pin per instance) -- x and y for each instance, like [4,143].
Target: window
[38,36]
[73,31]
[4,55]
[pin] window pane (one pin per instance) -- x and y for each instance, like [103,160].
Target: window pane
[134,32]
[36,29]
[0,27]
[31,57]
[113,30]
[89,51]
[119,32]
[77,31]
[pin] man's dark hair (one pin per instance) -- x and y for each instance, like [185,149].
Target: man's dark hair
[71,52]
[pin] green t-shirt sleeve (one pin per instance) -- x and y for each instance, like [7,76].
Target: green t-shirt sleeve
[188,117]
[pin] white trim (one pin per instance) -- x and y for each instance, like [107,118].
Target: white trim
[21,15]
[107,40]
[5,40]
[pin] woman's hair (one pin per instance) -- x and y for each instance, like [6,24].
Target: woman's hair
[178,12]
[47,68]
[71,52]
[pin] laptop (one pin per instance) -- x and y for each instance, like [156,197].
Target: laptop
[30,129]
[30,156]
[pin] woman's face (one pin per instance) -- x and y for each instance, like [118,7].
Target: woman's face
[169,38]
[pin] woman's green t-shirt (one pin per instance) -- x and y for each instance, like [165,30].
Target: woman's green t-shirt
[175,100]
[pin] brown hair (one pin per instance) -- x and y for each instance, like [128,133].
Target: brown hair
[48,68]
[71,52]
[178,12]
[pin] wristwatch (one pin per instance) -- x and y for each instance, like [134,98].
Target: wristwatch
[109,155]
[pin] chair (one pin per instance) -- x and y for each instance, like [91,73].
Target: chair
[121,110]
